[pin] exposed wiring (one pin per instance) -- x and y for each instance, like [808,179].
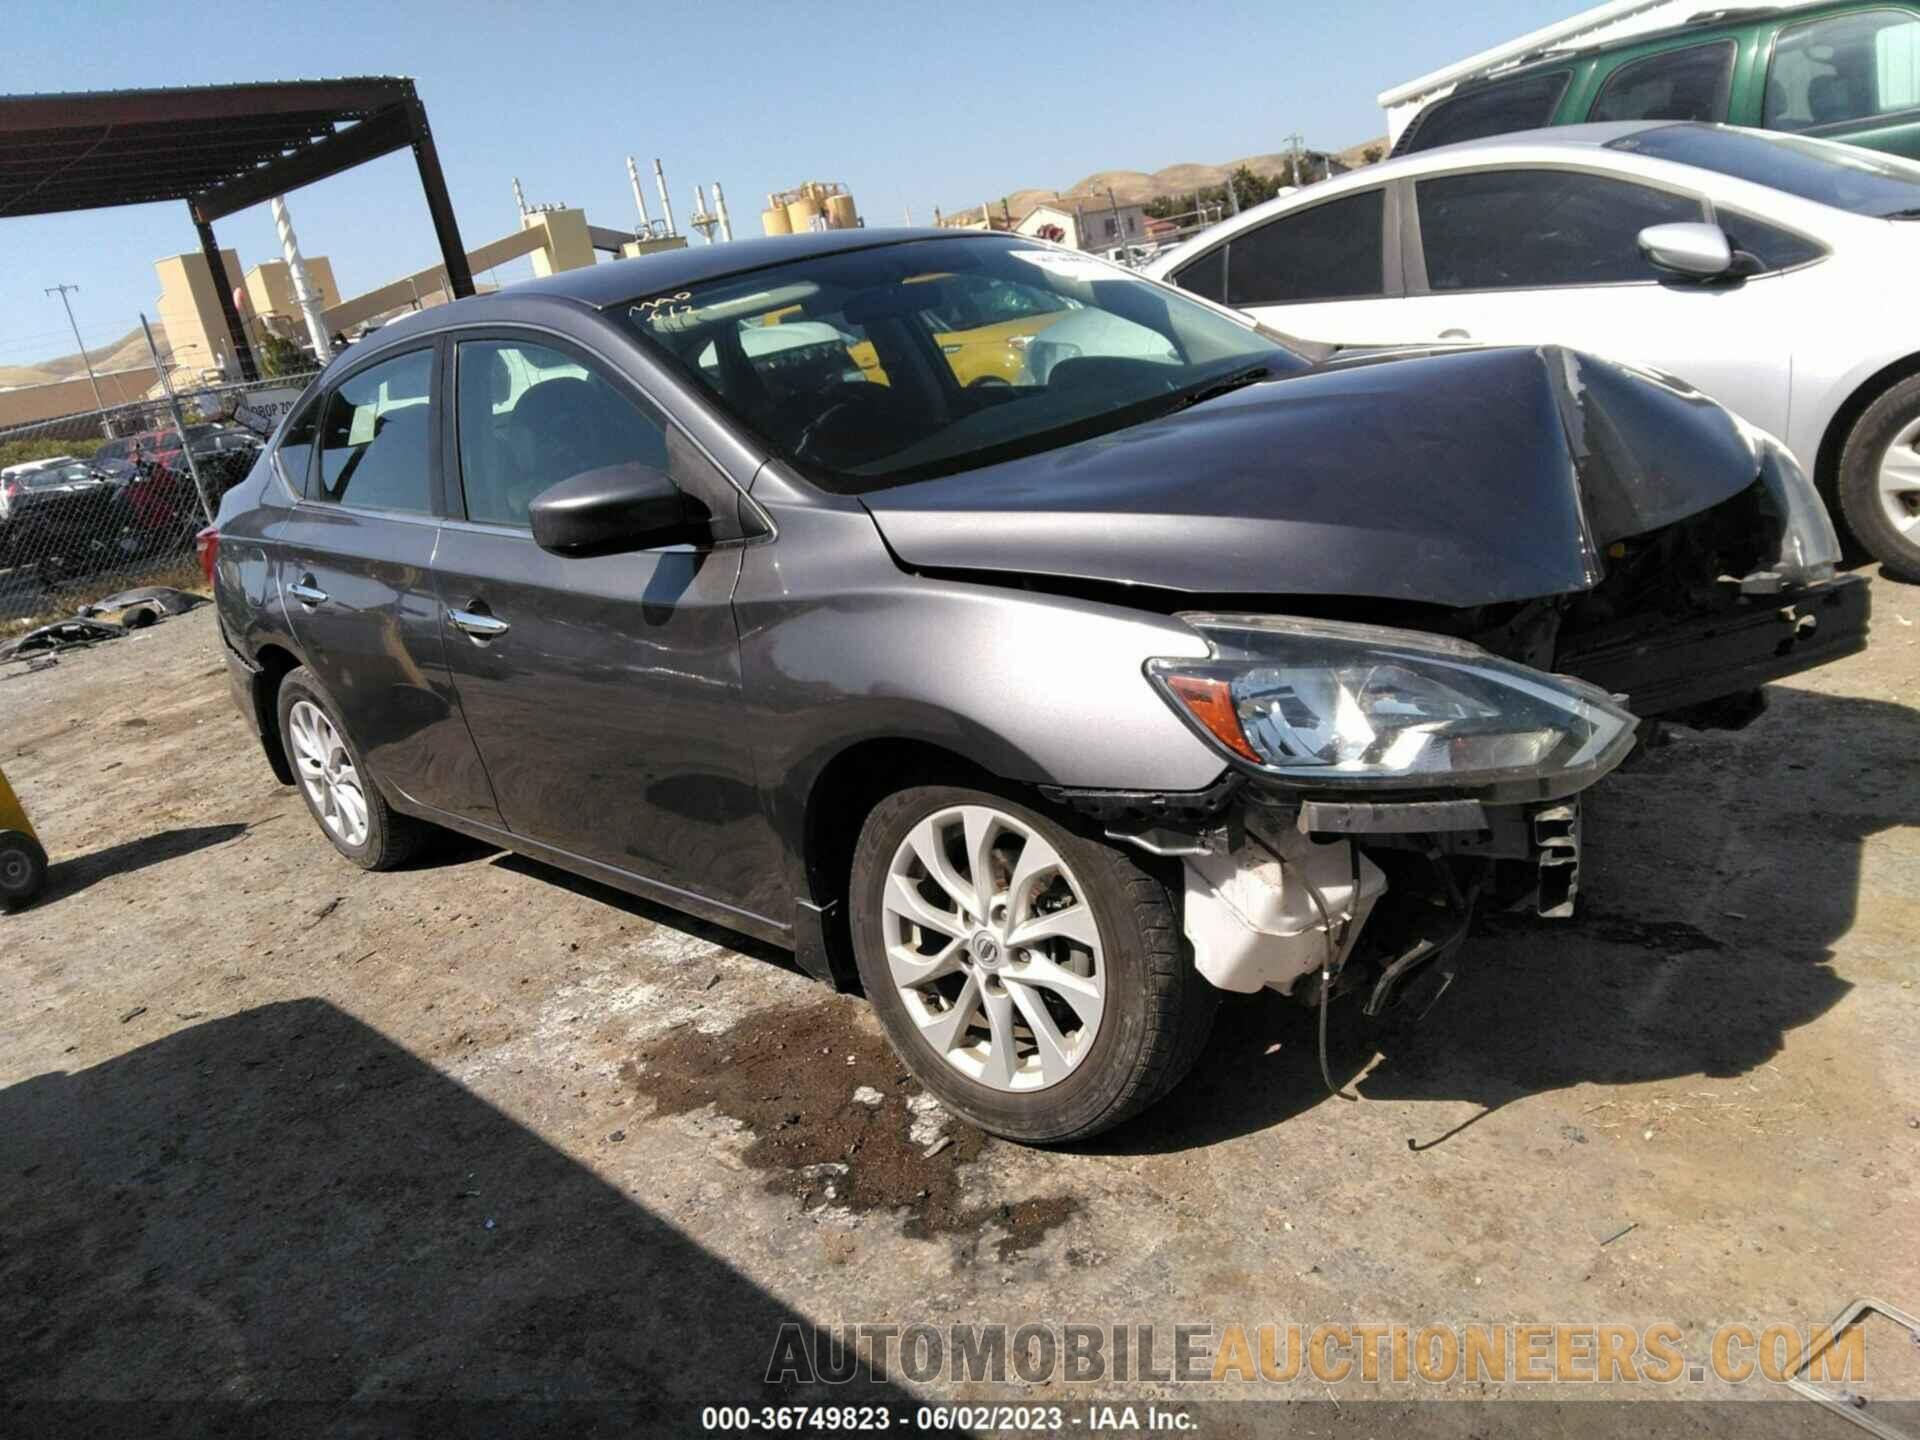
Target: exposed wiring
[1327,967]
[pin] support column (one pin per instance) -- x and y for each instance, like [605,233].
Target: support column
[223,288]
[452,253]
[303,292]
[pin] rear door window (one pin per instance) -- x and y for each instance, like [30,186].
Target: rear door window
[1330,252]
[376,438]
[1530,229]
[1689,84]
[1205,277]
[1775,248]
[1844,68]
[1523,103]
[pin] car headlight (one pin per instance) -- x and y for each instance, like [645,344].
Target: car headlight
[1333,706]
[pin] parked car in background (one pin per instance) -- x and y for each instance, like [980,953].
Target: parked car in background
[1768,270]
[984,694]
[1845,70]
[15,478]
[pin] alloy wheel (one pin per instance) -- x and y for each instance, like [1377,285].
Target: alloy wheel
[1899,481]
[327,772]
[993,948]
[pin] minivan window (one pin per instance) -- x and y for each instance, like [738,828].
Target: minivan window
[1523,103]
[1843,176]
[1846,67]
[1514,229]
[873,397]
[1687,84]
[1330,252]
[375,438]
[530,416]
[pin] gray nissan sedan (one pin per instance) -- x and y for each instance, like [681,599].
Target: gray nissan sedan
[1037,648]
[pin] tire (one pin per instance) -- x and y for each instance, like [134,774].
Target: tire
[23,868]
[1156,1009]
[1894,417]
[372,834]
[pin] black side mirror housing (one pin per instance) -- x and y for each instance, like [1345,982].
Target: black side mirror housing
[615,509]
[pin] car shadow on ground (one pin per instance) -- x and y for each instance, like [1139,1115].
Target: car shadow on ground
[282,1220]
[69,877]
[1718,873]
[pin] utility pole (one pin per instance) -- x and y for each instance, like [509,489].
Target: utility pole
[1293,144]
[63,291]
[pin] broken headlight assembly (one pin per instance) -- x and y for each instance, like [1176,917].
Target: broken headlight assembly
[1809,548]
[1333,707]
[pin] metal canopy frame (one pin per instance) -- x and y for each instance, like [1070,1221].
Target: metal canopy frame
[220,148]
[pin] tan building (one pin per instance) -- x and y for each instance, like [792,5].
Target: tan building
[190,309]
[270,294]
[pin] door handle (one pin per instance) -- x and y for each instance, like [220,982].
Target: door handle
[306,592]
[479,625]
[1455,334]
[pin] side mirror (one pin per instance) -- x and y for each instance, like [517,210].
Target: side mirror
[614,509]
[1693,249]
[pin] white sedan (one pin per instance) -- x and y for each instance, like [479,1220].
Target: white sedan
[1775,273]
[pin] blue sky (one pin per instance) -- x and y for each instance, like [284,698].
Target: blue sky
[909,103]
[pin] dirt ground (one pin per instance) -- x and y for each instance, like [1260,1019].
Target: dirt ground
[277,1133]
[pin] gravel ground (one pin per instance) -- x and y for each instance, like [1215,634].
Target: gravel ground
[275,1132]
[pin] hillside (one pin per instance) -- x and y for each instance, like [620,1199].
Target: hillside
[1137,187]
[129,350]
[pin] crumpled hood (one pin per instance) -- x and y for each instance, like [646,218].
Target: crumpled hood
[1457,478]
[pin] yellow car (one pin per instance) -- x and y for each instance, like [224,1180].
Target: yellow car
[993,353]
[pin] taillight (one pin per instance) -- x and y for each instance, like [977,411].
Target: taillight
[206,545]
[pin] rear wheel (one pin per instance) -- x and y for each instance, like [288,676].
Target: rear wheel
[1880,479]
[1032,978]
[332,776]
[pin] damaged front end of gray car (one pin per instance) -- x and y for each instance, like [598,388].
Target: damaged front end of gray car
[1389,783]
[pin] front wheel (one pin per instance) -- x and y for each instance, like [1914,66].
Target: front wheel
[1880,480]
[1031,978]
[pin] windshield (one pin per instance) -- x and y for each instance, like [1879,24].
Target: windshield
[1843,176]
[874,367]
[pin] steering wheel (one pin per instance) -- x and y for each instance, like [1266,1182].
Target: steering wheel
[855,397]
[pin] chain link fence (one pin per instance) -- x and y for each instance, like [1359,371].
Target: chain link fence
[94,504]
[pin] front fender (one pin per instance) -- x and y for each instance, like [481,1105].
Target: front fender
[840,646]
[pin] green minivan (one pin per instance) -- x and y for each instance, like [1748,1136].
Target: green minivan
[1844,70]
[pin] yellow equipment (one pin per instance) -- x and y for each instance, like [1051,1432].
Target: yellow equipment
[23,864]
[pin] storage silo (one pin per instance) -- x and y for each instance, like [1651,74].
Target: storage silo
[801,213]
